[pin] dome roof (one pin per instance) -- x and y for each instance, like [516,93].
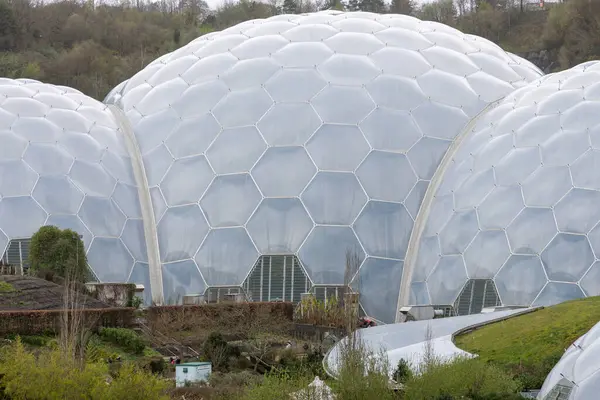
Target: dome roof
[64,162]
[577,372]
[516,199]
[308,135]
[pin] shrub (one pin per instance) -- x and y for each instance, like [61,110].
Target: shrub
[6,287]
[276,385]
[402,373]
[462,378]
[52,376]
[124,338]
[217,351]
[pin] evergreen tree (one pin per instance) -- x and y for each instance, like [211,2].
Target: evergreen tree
[289,7]
[406,7]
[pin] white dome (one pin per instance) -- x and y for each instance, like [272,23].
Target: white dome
[577,372]
[304,135]
[516,200]
[63,162]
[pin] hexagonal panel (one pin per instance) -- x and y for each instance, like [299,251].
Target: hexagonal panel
[334,198]
[181,230]
[451,90]
[226,256]
[517,165]
[201,98]
[486,254]
[591,280]
[102,216]
[289,124]
[134,239]
[71,222]
[440,212]
[12,210]
[301,54]
[492,150]
[378,283]
[447,124]
[447,280]
[384,229]
[230,200]
[119,167]
[325,147]
[500,207]
[279,226]
[193,136]
[186,181]
[181,278]
[419,294]
[386,176]
[427,258]
[156,164]
[283,171]
[396,92]
[112,260]
[400,61]
[459,232]
[236,150]
[152,130]
[353,43]
[582,171]
[474,189]
[558,292]
[249,105]
[392,130]
[323,254]
[48,159]
[426,155]
[126,197]
[140,275]
[577,212]
[92,179]
[564,147]
[13,146]
[251,73]
[531,231]
[33,129]
[415,198]
[533,129]
[546,186]
[343,104]
[520,280]
[291,85]
[567,257]
[16,178]
[343,69]
[57,195]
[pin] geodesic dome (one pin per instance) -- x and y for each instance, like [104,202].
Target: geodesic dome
[64,162]
[514,210]
[274,146]
[576,376]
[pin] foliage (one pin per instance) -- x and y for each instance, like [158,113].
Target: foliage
[60,252]
[528,346]
[35,378]
[359,379]
[6,287]
[217,351]
[125,338]
[469,378]
[277,385]
[402,373]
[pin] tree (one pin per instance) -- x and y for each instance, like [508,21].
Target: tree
[289,7]
[439,11]
[402,7]
[58,252]
[8,27]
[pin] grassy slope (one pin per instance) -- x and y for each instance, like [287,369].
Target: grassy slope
[535,339]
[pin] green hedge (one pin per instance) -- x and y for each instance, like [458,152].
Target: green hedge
[125,338]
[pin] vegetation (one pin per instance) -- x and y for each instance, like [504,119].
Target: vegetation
[33,377]
[125,338]
[529,346]
[58,252]
[6,287]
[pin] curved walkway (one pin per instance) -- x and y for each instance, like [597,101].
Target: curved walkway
[407,340]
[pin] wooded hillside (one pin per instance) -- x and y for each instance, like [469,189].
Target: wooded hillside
[94,46]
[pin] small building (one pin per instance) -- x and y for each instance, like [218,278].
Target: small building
[192,372]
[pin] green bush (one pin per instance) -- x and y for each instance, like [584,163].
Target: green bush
[217,351]
[124,338]
[464,378]
[52,376]
[402,373]
[277,385]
